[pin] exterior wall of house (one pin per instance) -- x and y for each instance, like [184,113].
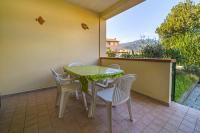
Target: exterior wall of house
[154,77]
[28,50]
[112,44]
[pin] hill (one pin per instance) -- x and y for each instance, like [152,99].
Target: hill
[138,44]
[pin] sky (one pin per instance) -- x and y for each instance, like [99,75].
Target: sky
[141,20]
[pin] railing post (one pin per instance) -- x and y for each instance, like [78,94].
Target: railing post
[173,81]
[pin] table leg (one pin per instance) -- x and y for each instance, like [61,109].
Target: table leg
[93,102]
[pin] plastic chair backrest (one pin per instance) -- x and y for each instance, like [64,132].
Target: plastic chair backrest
[75,64]
[122,88]
[54,73]
[115,66]
[56,78]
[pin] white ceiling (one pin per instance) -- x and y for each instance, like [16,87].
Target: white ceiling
[94,5]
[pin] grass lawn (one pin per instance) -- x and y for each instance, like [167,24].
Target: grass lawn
[184,82]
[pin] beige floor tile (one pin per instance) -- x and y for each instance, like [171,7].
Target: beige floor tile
[186,129]
[35,112]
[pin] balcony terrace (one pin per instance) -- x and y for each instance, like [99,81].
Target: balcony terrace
[28,50]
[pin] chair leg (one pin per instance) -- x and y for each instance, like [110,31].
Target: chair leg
[109,117]
[85,101]
[62,105]
[130,109]
[58,98]
[77,96]
[93,102]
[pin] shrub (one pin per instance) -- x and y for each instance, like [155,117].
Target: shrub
[174,54]
[126,55]
[156,51]
[153,51]
[192,69]
[110,53]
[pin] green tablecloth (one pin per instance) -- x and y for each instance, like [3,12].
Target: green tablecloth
[92,73]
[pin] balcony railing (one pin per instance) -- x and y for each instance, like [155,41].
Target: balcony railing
[154,76]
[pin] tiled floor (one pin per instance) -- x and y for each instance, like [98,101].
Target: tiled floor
[193,100]
[35,112]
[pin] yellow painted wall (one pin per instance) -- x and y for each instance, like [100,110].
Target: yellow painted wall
[153,78]
[28,50]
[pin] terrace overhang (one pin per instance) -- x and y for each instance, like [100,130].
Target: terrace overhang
[106,8]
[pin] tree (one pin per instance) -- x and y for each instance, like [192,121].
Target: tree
[153,51]
[181,30]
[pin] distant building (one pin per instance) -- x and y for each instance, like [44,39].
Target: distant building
[112,44]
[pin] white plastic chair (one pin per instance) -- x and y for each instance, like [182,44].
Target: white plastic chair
[105,83]
[63,80]
[65,91]
[77,81]
[65,86]
[118,94]
[78,89]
